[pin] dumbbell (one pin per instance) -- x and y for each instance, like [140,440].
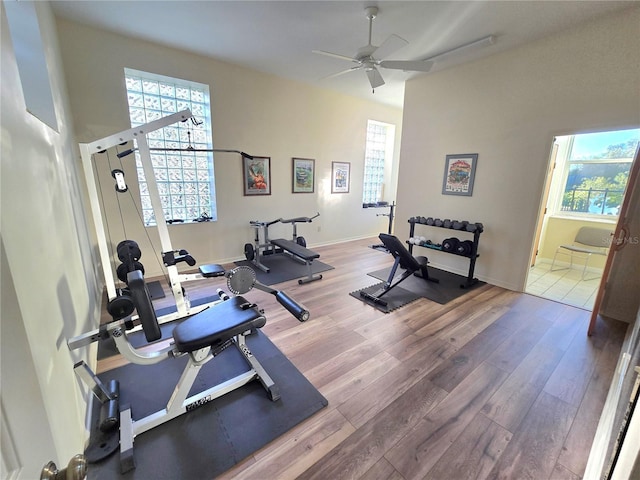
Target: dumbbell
[430,221]
[465,247]
[446,223]
[437,222]
[473,227]
[456,225]
[450,244]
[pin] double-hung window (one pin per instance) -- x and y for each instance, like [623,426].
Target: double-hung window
[185,179]
[596,172]
[378,155]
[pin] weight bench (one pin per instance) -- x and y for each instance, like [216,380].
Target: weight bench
[201,337]
[402,258]
[299,252]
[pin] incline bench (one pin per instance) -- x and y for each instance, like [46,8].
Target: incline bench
[302,253]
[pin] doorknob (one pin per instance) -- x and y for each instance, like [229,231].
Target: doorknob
[76,470]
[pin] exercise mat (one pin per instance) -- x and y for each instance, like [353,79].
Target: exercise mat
[380,248]
[283,268]
[107,346]
[443,292]
[395,298]
[155,290]
[209,440]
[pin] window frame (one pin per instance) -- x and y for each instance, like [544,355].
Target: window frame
[564,161]
[186,180]
[383,173]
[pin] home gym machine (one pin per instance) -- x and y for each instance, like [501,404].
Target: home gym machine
[204,331]
[401,258]
[201,337]
[171,257]
[295,248]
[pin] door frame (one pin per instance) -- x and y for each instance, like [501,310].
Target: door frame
[619,241]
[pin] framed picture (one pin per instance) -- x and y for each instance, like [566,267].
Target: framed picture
[303,175]
[256,175]
[459,174]
[340,177]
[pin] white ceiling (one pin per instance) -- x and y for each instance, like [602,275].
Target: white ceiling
[278,37]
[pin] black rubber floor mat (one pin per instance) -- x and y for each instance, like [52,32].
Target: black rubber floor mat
[212,438]
[395,298]
[448,288]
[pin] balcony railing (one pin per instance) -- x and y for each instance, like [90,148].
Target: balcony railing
[591,200]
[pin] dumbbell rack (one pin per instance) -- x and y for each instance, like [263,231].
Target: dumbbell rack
[472,256]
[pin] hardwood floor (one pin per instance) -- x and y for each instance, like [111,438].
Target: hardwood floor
[494,384]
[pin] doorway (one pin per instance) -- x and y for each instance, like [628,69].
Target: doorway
[585,185]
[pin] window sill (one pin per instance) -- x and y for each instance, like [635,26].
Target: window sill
[605,220]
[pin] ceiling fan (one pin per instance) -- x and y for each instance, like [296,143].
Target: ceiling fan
[369,57]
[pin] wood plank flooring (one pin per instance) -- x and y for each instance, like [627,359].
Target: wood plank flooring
[494,384]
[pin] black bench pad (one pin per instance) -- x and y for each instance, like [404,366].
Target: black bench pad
[216,325]
[294,248]
[212,270]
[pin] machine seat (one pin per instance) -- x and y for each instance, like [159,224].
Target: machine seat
[217,324]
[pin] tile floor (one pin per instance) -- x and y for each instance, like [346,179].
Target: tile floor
[565,286]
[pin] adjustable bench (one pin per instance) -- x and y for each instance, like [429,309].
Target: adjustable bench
[402,258]
[302,253]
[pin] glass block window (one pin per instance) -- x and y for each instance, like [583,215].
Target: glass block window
[185,180]
[379,147]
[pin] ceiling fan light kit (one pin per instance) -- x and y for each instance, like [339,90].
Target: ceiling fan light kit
[370,57]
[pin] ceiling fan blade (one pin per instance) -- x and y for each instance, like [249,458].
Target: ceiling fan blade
[407,65]
[375,79]
[333,75]
[334,55]
[389,46]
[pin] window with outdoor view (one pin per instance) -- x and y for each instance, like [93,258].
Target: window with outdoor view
[378,154]
[185,179]
[597,171]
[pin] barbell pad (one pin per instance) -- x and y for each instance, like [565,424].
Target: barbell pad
[142,301]
[295,309]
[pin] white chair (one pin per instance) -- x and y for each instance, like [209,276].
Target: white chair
[588,241]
